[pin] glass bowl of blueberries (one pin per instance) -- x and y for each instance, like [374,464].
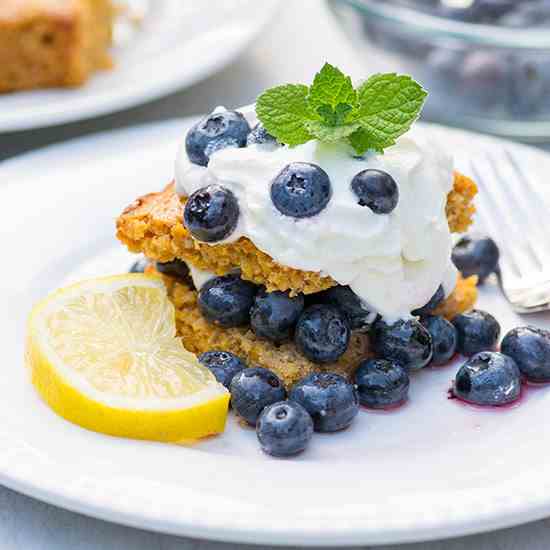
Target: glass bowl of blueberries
[486,63]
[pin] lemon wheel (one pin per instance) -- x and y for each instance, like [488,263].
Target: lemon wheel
[104,354]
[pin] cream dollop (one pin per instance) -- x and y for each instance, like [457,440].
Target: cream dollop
[393,262]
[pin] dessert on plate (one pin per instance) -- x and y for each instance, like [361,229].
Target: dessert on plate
[302,263]
[292,225]
[53,43]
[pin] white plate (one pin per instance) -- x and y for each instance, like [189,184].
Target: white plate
[432,469]
[178,43]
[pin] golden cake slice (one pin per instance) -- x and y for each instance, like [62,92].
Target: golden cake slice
[152,225]
[49,43]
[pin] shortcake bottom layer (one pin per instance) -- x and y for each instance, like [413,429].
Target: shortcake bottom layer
[285,360]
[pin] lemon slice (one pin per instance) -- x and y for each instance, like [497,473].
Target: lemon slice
[104,354]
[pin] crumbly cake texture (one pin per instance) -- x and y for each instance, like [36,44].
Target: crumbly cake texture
[153,226]
[198,335]
[53,43]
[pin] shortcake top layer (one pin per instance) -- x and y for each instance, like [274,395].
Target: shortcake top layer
[394,262]
[152,225]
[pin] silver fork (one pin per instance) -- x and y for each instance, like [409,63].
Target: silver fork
[516,215]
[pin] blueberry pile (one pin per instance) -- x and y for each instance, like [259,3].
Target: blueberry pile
[300,190]
[490,81]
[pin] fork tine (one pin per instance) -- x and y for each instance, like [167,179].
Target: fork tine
[502,230]
[486,225]
[536,210]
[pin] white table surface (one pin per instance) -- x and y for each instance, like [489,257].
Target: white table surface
[298,42]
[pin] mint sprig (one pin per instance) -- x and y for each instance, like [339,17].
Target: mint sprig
[372,116]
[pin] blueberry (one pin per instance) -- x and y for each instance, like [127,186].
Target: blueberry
[301,190]
[329,398]
[284,429]
[224,365]
[211,213]
[444,338]
[273,315]
[259,135]
[529,347]
[254,389]
[344,298]
[214,132]
[488,378]
[476,256]
[476,331]
[381,383]
[377,190]
[177,269]
[226,301]
[529,83]
[322,333]
[139,266]
[434,301]
[407,342]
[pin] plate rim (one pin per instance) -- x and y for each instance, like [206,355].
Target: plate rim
[152,90]
[24,471]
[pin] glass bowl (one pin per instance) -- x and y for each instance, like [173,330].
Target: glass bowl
[484,77]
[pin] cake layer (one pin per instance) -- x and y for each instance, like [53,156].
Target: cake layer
[199,335]
[153,226]
[47,43]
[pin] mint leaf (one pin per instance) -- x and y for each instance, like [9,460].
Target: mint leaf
[361,141]
[334,116]
[331,87]
[329,133]
[388,105]
[371,117]
[283,111]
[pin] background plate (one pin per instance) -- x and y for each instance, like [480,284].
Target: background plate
[432,469]
[178,43]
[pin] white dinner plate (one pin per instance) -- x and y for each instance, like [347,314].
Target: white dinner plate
[434,468]
[178,43]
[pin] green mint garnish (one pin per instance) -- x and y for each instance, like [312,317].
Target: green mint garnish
[372,116]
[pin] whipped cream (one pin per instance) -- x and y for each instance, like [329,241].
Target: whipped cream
[393,262]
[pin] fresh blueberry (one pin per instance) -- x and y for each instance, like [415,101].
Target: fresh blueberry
[211,213]
[483,78]
[223,364]
[476,331]
[329,398]
[259,135]
[274,314]
[407,342]
[284,429]
[177,269]
[252,390]
[226,300]
[301,190]
[529,347]
[476,256]
[377,190]
[344,298]
[322,333]
[139,266]
[435,300]
[529,84]
[444,338]
[216,131]
[381,384]
[488,378]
